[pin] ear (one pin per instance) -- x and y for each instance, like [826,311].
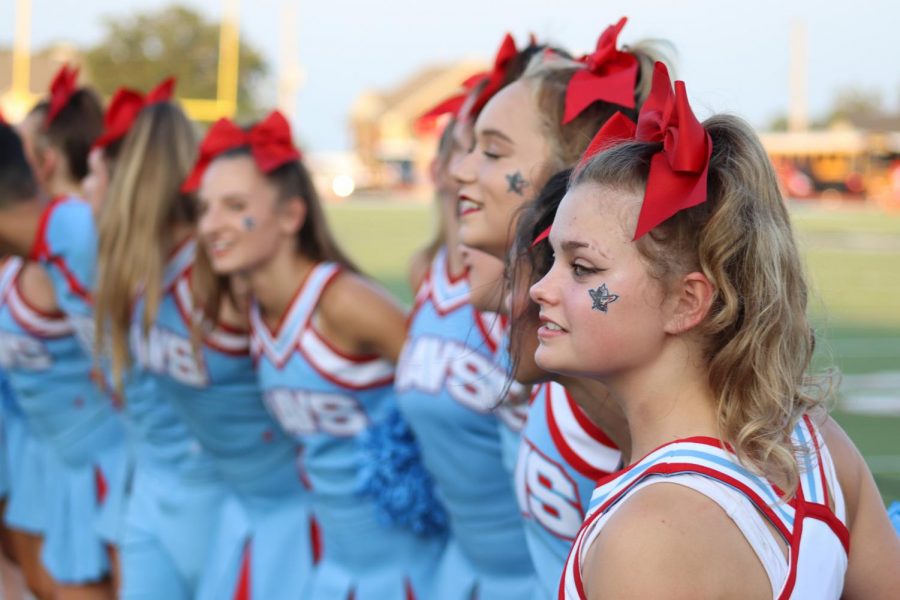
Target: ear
[690,303]
[292,215]
[47,163]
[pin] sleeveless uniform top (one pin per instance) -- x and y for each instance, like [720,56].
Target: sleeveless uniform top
[815,534]
[67,245]
[326,400]
[217,396]
[449,387]
[561,457]
[49,374]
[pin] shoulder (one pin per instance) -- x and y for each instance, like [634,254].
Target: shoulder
[661,543]
[351,300]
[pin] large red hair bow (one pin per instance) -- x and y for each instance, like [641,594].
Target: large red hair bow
[62,88]
[124,108]
[609,75]
[679,171]
[269,142]
[493,80]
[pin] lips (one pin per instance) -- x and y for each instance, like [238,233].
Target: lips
[468,206]
[549,329]
[218,249]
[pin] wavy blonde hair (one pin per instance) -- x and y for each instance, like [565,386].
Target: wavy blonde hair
[758,341]
[144,201]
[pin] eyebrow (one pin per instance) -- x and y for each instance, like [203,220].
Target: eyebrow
[572,245]
[497,133]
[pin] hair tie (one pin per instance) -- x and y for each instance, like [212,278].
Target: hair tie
[62,88]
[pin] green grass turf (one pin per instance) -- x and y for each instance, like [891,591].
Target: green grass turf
[852,257]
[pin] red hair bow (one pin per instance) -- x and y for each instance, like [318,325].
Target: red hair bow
[269,141]
[679,171]
[454,103]
[494,79]
[609,75]
[2,118]
[124,108]
[62,88]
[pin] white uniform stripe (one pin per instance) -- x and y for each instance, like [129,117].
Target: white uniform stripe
[280,348]
[179,263]
[704,456]
[344,370]
[228,341]
[591,450]
[33,321]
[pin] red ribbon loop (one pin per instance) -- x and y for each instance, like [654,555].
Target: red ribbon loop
[494,79]
[679,172]
[609,75]
[269,140]
[124,108]
[62,88]
[617,129]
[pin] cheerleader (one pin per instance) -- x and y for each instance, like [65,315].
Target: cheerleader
[539,125]
[165,530]
[257,544]
[574,432]
[677,282]
[450,385]
[324,339]
[82,438]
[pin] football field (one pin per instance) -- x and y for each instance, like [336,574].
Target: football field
[853,260]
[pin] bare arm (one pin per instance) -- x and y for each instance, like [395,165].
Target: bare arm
[668,541]
[872,571]
[18,227]
[359,317]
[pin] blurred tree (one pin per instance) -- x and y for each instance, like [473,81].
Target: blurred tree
[856,105]
[140,49]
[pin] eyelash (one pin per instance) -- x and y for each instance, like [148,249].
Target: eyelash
[582,271]
[491,155]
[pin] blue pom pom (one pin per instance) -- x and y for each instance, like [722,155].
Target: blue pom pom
[392,475]
[894,514]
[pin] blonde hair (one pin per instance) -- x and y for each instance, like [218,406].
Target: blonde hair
[549,78]
[143,203]
[758,341]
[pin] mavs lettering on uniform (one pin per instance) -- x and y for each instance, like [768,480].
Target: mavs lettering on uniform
[302,412]
[23,352]
[166,353]
[472,379]
[550,495]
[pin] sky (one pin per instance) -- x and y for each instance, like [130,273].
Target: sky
[733,56]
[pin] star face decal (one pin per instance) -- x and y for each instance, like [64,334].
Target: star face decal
[517,183]
[602,298]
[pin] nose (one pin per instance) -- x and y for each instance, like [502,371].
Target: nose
[544,291]
[462,168]
[210,221]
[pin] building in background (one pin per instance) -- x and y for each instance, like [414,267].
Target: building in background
[393,151]
[44,65]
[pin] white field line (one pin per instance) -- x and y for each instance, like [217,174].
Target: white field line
[876,393]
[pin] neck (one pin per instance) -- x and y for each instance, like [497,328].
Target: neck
[455,264]
[63,186]
[274,284]
[667,400]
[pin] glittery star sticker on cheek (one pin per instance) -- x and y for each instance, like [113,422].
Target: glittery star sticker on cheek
[517,183]
[602,298]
